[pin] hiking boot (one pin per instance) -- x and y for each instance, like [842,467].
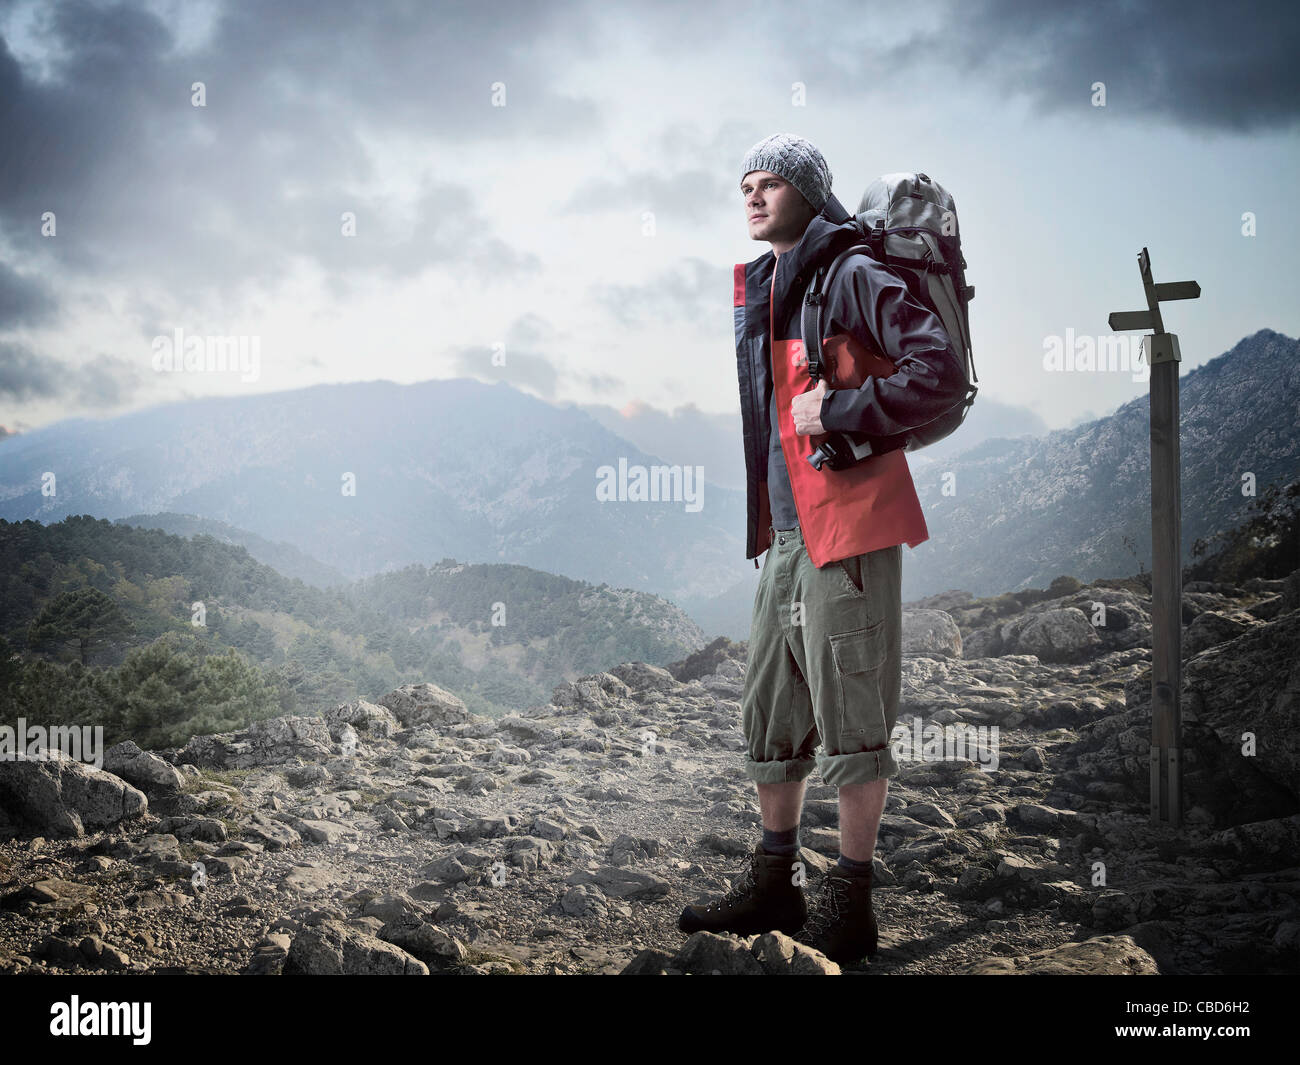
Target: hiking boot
[841,923]
[763,897]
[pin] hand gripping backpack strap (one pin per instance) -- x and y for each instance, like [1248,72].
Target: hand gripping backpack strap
[838,450]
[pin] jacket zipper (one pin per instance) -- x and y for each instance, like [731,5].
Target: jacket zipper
[771,355]
[753,409]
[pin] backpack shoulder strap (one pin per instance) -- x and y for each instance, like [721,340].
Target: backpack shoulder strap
[810,319]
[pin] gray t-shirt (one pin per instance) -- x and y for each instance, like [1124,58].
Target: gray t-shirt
[781,500]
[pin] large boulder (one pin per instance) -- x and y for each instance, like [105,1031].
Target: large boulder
[146,771]
[1069,629]
[932,633]
[1061,635]
[1251,684]
[332,948]
[705,661]
[597,691]
[985,642]
[1212,627]
[1241,743]
[1291,591]
[369,719]
[641,676]
[425,704]
[57,796]
[269,742]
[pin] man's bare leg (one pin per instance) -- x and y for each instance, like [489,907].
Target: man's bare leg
[860,808]
[782,804]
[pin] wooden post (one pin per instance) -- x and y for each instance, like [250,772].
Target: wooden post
[1163,355]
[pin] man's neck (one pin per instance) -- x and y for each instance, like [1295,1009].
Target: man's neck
[778,252]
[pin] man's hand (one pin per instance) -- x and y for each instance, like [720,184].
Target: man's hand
[807,410]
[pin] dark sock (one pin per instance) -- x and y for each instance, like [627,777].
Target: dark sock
[786,843]
[854,868]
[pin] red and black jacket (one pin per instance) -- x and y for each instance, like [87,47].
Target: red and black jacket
[889,367]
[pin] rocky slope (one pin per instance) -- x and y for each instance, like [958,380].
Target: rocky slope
[410,836]
[1078,500]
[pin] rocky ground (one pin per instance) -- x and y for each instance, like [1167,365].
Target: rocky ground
[409,836]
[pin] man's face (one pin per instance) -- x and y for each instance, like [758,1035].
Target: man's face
[775,210]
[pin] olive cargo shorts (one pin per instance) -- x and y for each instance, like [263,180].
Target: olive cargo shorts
[825,663]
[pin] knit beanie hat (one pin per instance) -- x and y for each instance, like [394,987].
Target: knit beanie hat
[796,160]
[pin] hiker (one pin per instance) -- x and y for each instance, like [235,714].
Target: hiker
[825,657]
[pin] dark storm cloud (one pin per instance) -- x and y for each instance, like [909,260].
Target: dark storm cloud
[23,300]
[1202,64]
[25,375]
[1196,63]
[143,183]
[105,381]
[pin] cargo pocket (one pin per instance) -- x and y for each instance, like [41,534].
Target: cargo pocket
[858,656]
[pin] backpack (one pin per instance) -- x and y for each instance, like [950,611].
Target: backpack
[902,222]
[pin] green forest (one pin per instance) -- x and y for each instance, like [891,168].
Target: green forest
[159,637]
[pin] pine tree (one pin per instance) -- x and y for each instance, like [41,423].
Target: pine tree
[84,617]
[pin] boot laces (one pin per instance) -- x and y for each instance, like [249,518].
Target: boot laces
[744,882]
[831,902]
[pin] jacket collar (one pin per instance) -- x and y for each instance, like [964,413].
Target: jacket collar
[829,232]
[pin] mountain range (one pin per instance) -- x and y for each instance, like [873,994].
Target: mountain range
[366,478]
[369,477]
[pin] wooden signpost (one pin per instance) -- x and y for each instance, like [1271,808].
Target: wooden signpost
[1163,356]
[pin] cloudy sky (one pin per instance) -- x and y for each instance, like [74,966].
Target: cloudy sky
[558,184]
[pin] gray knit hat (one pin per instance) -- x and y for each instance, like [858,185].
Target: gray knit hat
[796,160]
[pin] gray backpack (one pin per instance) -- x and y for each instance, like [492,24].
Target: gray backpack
[908,223]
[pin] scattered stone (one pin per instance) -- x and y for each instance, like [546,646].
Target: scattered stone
[708,954]
[1099,956]
[422,940]
[308,880]
[623,883]
[779,955]
[930,814]
[333,949]
[566,839]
